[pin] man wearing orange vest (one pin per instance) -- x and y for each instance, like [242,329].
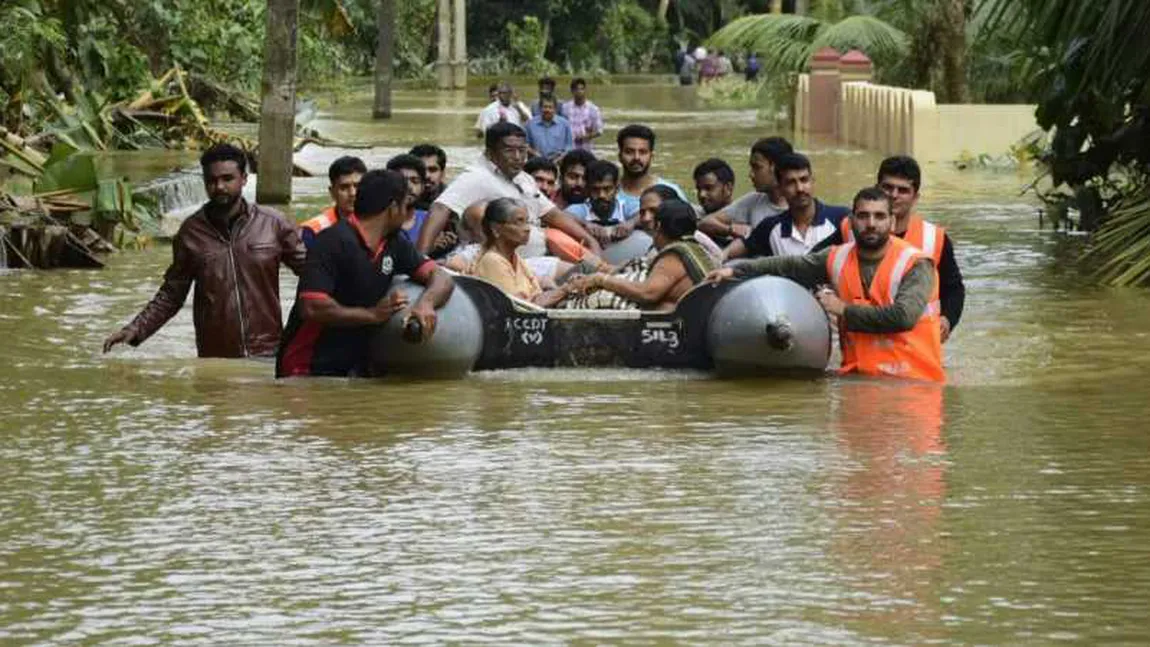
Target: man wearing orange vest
[901,178]
[884,294]
[344,175]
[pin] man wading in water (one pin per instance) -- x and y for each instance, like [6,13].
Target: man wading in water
[231,249]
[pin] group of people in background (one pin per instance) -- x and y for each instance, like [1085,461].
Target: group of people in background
[553,127]
[535,221]
[701,66]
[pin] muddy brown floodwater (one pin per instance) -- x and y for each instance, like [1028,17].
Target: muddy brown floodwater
[151,498]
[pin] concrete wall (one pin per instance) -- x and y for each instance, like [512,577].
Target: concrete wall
[893,120]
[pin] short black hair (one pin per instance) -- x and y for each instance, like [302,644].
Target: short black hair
[345,165]
[492,88]
[552,99]
[578,81]
[636,130]
[721,170]
[901,166]
[576,157]
[663,191]
[676,218]
[427,150]
[497,132]
[791,162]
[408,161]
[600,170]
[547,81]
[377,191]
[772,148]
[224,153]
[540,164]
[871,194]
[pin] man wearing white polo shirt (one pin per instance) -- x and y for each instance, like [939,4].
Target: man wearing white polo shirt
[805,223]
[499,174]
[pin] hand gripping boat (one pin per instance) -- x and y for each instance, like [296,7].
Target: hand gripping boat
[764,326]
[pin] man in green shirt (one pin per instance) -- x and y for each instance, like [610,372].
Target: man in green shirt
[871,221]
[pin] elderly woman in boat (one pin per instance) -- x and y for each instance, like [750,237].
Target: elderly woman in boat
[505,230]
[679,264]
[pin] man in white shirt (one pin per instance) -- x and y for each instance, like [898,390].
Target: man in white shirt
[500,175]
[504,109]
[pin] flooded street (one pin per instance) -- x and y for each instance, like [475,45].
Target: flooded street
[148,497]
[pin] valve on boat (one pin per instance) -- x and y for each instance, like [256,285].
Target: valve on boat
[780,336]
[398,348]
[768,324]
[413,331]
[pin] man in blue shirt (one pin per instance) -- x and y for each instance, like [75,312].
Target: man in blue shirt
[549,135]
[804,224]
[636,151]
[603,212]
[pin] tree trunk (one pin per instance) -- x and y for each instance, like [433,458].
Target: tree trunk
[383,60]
[277,109]
[661,12]
[953,45]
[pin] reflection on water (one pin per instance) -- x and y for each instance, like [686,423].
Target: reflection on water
[152,498]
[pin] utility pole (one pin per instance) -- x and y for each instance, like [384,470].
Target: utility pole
[277,106]
[384,55]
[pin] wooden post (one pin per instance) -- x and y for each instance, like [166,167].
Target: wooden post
[444,41]
[277,109]
[383,60]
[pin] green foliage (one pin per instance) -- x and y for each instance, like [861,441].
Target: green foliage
[527,44]
[786,42]
[633,39]
[1095,99]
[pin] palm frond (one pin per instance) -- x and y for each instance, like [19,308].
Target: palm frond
[877,39]
[783,41]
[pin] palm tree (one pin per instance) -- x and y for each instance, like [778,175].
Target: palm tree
[785,42]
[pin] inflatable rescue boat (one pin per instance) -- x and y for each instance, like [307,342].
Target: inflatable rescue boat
[764,326]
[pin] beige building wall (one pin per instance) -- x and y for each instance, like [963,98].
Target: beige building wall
[894,121]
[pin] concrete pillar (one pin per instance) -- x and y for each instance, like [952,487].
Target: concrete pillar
[443,42]
[277,106]
[824,88]
[459,48]
[854,66]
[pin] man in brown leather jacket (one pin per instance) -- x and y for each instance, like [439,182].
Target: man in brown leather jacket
[231,249]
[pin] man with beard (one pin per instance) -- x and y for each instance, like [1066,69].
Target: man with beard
[806,223]
[435,165]
[231,250]
[573,178]
[415,174]
[602,213]
[499,174]
[741,216]
[636,152]
[901,178]
[714,184]
[884,295]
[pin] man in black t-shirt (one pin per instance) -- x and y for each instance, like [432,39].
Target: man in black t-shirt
[342,297]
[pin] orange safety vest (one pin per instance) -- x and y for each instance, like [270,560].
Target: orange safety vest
[926,236]
[324,220]
[913,354]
